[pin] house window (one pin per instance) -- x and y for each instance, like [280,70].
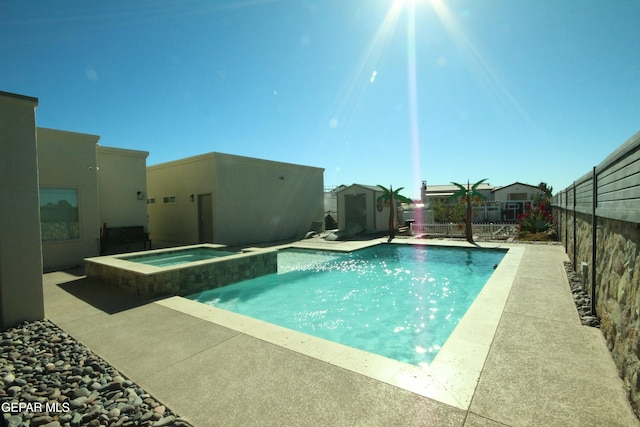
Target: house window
[151,201]
[517,196]
[169,199]
[59,214]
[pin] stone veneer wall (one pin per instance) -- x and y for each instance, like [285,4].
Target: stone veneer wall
[617,286]
[188,279]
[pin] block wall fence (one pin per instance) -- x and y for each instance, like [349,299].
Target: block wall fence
[599,224]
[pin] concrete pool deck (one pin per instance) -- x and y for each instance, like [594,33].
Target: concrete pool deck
[539,365]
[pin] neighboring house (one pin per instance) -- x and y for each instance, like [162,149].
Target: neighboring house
[232,200]
[358,210]
[514,198]
[83,186]
[501,203]
[431,194]
[516,191]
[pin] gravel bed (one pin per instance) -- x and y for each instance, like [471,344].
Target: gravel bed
[49,379]
[581,298]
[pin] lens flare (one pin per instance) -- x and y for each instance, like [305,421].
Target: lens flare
[480,69]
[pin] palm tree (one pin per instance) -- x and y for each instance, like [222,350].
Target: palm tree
[388,197]
[467,193]
[546,193]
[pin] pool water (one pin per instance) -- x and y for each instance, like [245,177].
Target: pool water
[398,301]
[177,257]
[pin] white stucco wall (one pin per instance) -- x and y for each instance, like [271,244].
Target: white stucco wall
[259,200]
[254,200]
[68,160]
[21,294]
[178,222]
[121,175]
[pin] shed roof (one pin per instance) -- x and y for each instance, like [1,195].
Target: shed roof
[366,187]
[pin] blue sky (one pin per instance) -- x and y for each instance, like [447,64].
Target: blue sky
[374,91]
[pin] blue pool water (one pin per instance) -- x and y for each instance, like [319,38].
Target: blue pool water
[177,257]
[398,301]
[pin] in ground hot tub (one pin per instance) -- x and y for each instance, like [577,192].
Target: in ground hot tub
[180,271]
[170,257]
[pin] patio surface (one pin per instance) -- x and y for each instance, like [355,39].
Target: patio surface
[539,365]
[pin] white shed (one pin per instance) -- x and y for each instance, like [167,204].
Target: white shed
[359,212]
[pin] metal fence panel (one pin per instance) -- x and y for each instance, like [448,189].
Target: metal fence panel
[617,192]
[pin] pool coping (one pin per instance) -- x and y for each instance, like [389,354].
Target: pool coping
[152,282]
[453,375]
[122,260]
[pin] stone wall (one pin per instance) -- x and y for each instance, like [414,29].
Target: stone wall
[184,279]
[617,298]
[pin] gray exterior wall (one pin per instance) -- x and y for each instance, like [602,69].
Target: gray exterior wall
[21,293]
[252,200]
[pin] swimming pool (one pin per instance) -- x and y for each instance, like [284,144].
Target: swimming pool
[398,301]
[177,257]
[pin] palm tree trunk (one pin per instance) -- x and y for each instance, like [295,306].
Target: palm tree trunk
[468,228]
[392,229]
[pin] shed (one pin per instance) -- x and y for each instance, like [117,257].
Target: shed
[359,212]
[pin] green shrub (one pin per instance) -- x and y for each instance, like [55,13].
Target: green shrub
[535,219]
[448,212]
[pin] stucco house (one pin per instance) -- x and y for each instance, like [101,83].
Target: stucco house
[514,198]
[501,203]
[431,194]
[233,200]
[83,186]
[516,191]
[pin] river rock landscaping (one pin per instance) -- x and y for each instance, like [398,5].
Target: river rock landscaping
[581,297]
[49,379]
